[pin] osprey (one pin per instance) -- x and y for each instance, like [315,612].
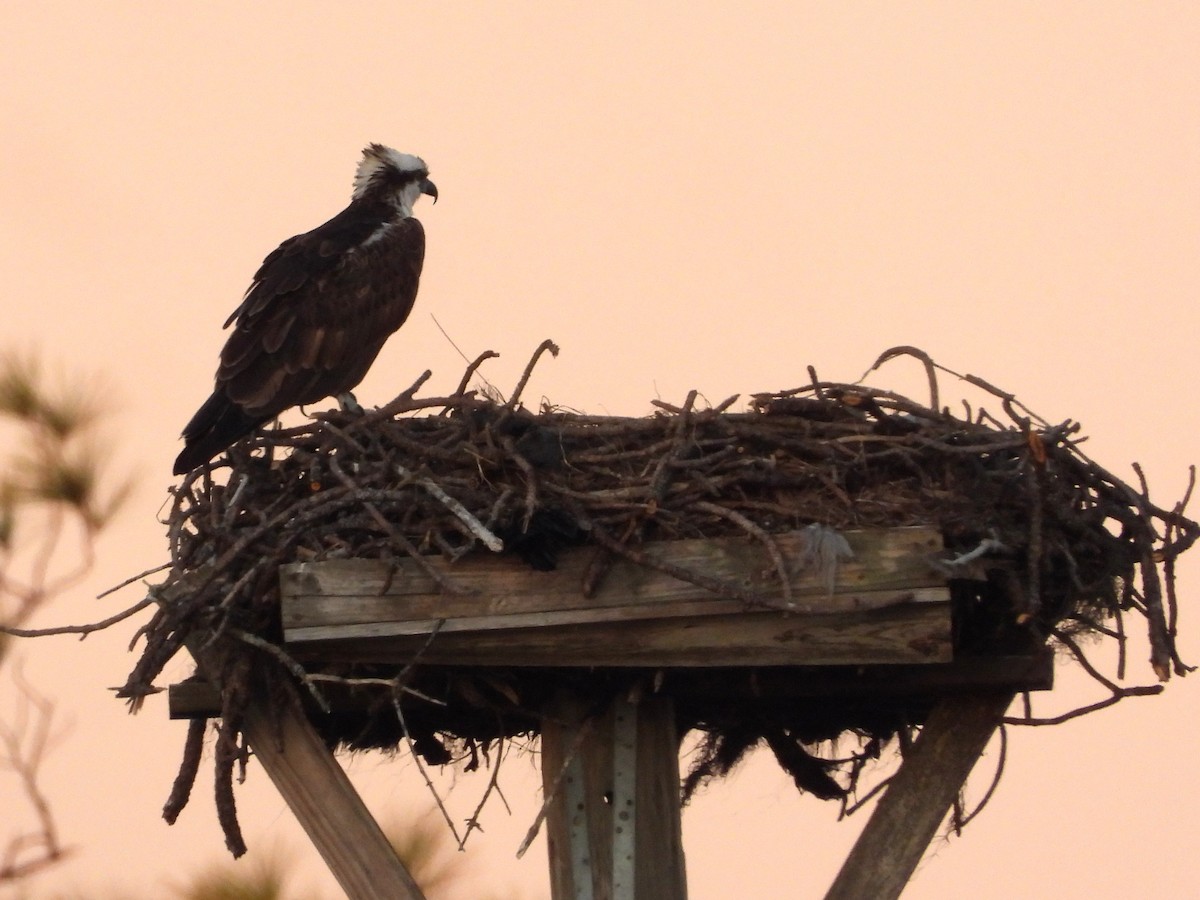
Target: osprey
[320,307]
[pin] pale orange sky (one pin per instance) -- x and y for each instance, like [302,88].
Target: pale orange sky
[684,196]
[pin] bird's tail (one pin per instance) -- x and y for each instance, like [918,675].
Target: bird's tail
[216,425]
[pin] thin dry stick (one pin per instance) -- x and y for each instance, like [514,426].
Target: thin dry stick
[728,590]
[767,541]
[392,684]
[402,403]
[851,809]
[402,542]
[412,749]
[1118,693]
[531,479]
[585,728]
[925,360]
[130,580]
[476,527]
[546,345]
[473,820]
[82,630]
[281,656]
[472,369]
[1002,757]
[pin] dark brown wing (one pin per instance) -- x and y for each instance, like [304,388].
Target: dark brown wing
[317,316]
[319,311]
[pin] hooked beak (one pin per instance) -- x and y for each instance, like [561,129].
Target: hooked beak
[428,187]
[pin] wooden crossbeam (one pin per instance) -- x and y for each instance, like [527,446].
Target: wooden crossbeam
[965,675]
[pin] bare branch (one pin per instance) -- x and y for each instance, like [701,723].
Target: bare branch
[82,630]
[24,746]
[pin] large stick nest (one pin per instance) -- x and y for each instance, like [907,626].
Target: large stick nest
[1072,548]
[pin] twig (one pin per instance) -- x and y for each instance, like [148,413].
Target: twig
[402,542]
[925,360]
[728,590]
[392,684]
[584,729]
[83,630]
[402,403]
[408,742]
[476,527]
[859,803]
[546,345]
[1002,757]
[286,661]
[767,541]
[1117,692]
[473,819]
[132,579]
[531,479]
[473,368]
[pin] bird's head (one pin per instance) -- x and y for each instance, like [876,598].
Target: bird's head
[394,177]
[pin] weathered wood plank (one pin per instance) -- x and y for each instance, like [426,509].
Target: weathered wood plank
[889,566]
[918,797]
[912,633]
[327,805]
[395,621]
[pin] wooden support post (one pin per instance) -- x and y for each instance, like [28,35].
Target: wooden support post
[614,821]
[919,796]
[321,797]
[316,789]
